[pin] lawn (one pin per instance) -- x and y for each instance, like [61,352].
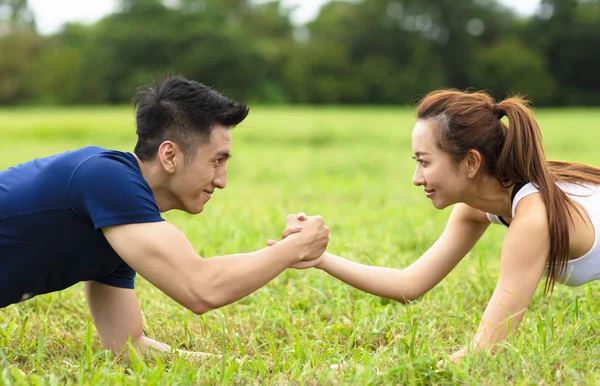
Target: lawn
[353,166]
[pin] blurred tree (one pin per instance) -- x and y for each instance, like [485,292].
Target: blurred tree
[19,45]
[396,49]
[18,52]
[510,67]
[370,51]
[228,44]
[566,31]
[58,76]
[15,17]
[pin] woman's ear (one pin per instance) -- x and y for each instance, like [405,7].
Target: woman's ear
[473,162]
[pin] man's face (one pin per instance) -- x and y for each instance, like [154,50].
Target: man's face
[193,183]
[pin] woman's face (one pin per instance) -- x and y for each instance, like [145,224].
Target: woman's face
[443,182]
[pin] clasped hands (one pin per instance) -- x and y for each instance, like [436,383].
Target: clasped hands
[312,237]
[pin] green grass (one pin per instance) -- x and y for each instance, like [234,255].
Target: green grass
[353,166]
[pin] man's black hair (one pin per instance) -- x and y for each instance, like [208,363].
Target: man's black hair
[182,111]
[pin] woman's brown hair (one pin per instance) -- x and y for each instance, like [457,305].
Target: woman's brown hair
[511,153]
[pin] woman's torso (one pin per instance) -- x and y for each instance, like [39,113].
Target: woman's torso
[584,231]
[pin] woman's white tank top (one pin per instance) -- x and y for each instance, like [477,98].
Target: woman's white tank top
[587,267]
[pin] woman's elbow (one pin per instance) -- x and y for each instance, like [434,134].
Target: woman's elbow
[405,298]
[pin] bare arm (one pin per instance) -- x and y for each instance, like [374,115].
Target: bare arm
[524,255]
[464,228]
[161,254]
[117,316]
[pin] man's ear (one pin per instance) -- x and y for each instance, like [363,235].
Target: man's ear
[472,163]
[169,156]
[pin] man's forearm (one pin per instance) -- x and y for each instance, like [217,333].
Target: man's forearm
[224,279]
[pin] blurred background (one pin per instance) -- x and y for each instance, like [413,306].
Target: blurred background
[300,52]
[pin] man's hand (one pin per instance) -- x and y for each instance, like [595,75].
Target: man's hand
[291,226]
[117,316]
[460,354]
[310,232]
[295,220]
[294,225]
[313,238]
[454,358]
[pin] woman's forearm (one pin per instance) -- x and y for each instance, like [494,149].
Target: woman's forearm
[389,283]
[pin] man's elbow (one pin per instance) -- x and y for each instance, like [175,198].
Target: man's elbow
[199,307]
[202,303]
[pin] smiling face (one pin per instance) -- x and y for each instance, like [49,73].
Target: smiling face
[193,183]
[436,172]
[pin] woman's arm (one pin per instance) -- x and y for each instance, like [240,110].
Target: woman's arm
[464,228]
[524,255]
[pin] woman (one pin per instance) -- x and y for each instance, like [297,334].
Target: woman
[493,173]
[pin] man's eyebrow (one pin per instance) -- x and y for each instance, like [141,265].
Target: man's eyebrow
[223,154]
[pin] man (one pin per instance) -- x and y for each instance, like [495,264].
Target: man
[93,215]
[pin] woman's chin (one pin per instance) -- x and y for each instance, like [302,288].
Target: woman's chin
[439,204]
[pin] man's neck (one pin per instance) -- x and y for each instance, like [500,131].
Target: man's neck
[158,182]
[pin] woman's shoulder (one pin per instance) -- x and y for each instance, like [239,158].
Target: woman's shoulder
[529,203]
[527,193]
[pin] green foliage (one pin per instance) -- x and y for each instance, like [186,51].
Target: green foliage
[354,52]
[352,165]
[509,67]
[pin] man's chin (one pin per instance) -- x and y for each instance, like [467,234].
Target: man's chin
[196,210]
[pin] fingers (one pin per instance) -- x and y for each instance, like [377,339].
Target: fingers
[285,233]
[291,230]
[301,216]
[315,235]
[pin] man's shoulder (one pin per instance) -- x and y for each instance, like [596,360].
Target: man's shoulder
[104,158]
[109,188]
[102,166]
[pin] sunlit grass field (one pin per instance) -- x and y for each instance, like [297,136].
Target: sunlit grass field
[352,165]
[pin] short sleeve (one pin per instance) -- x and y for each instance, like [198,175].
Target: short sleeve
[110,190]
[122,277]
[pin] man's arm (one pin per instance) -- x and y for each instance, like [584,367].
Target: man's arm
[117,316]
[161,254]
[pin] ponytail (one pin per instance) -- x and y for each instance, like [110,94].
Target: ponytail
[522,159]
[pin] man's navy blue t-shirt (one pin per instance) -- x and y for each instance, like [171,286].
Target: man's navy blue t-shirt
[52,210]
